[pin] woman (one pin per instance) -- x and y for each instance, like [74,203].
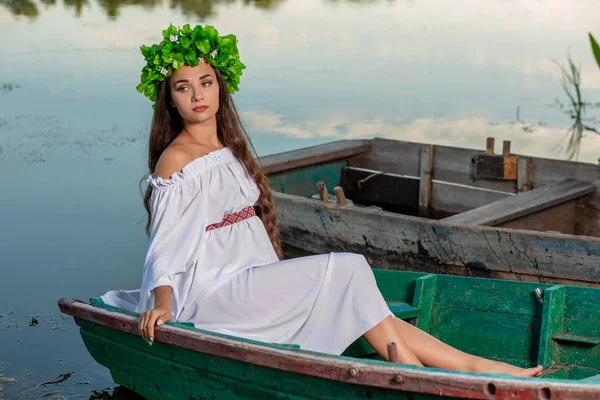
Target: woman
[214,252]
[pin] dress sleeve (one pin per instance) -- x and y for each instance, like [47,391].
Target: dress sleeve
[175,237]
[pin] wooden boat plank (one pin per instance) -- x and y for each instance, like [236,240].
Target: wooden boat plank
[409,243]
[371,374]
[448,198]
[392,192]
[577,339]
[314,155]
[587,215]
[457,165]
[560,218]
[524,203]
[449,164]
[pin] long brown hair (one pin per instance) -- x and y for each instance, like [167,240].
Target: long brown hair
[167,123]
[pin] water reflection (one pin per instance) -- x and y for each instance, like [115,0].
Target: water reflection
[201,8]
[19,8]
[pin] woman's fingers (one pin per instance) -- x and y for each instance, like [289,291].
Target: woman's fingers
[142,324]
[149,320]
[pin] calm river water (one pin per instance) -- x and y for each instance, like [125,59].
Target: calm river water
[73,129]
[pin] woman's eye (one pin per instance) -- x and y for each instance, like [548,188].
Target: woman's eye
[182,89]
[207,83]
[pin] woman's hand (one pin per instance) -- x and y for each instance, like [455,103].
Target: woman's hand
[154,317]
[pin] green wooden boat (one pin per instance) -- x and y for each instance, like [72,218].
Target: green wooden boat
[440,209]
[522,323]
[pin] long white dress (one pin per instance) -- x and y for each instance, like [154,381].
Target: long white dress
[229,280]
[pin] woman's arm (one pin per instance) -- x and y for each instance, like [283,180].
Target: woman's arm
[162,295]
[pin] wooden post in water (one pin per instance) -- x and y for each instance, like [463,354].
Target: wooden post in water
[426,175]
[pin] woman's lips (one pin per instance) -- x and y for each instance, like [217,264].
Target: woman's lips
[200,108]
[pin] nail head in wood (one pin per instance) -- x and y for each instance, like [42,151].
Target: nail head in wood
[353,372]
[339,195]
[399,379]
[506,148]
[489,146]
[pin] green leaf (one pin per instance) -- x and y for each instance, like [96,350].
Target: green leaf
[186,30]
[171,30]
[178,57]
[191,59]
[211,32]
[145,51]
[595,49]
[177,64]
[141,87]
[167,49]
[150,90]
[185,42]
[203,45]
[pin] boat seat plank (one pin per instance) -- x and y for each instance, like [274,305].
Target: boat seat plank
[403,310]
[577,339]
[524,203]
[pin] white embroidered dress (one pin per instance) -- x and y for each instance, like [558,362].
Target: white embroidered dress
[229,280]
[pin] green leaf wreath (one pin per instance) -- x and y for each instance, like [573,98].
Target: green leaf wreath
[187,46]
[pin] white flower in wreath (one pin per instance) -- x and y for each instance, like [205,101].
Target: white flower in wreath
[174,38]
[201,60]
[214,53]
[163,71]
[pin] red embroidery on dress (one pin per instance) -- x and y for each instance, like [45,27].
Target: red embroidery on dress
[229,219]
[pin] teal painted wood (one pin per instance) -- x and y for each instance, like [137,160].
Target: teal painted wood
[167,372]
[552,324]
[303,182]
[503,326]
[425,296]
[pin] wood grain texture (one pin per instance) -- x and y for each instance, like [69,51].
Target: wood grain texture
[524,203]
[449,199]
[560,218]
[456,165]
[426,176]
[524,174]
[314,155]
[410,243]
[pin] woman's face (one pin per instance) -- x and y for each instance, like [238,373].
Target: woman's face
[195,92]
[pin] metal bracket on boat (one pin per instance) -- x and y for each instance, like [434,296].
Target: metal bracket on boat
[539,295]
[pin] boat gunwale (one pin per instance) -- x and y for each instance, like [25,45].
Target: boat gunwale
[371,373]
[489,229]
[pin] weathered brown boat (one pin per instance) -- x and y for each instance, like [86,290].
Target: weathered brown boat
[439,209]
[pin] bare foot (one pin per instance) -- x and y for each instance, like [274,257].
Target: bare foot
[496,367]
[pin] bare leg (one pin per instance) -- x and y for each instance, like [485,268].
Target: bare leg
[385,332]
[435,353]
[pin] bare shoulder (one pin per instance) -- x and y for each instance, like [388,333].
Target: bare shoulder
[172,160]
